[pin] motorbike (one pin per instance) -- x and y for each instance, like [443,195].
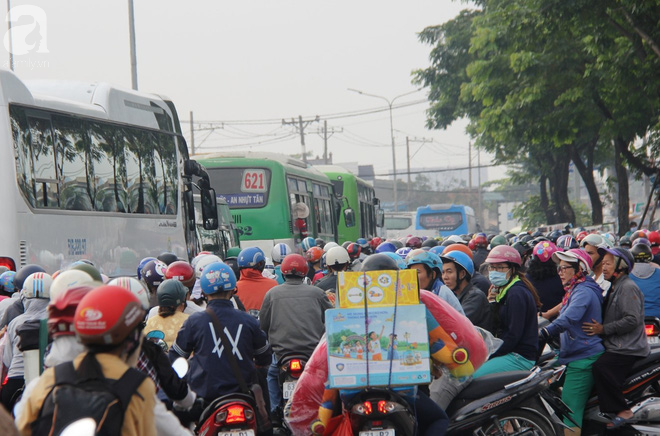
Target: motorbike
[516,402]
[291,366]
[641,389]
[382,412]
[229,415]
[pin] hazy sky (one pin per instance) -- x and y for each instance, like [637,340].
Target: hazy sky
[262,60]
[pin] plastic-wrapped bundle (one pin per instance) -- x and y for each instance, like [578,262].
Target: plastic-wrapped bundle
[453,340]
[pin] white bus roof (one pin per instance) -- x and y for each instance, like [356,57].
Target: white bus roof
[95,99]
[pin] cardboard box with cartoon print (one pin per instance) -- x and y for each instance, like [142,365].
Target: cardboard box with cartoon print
[384,348]
[380,288]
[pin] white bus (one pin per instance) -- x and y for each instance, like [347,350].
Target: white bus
[93,172]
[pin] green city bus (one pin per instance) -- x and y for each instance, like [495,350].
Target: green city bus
[354,194]
[273,198]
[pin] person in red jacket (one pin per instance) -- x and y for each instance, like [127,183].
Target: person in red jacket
[252,286]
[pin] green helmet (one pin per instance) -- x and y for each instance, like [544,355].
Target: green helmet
[171,293]
[498,240]
[233,252]
[89,269]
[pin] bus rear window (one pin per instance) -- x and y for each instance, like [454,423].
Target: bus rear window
[444,221]
[241,188]
[396,223]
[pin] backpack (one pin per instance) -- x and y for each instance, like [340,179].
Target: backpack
[85,392]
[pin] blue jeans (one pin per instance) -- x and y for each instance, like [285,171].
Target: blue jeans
[274,391]
[508,362]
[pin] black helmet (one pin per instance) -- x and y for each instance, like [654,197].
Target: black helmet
[642,253]
[430,243]
[320,242]
[625,241]
[379,261]
[233,264]
[23,274]
[554,236]
[522,248]
[171,293]
[167,258]
[346,244]
[527,238]
[398,244]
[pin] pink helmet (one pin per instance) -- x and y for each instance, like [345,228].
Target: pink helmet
[584,260]
[544,250]
[504,253]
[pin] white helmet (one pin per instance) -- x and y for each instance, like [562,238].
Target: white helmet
[135,286]
[37,285]
[329,245]
[456,239]
[204,262]
[68,279]
[596,240]
[279,251]
[337,256]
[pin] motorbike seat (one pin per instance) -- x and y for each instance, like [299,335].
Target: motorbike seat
[482,386]
[642,363]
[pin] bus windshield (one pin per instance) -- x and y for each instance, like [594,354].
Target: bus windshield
[241,187]
[397,223]
[443,221]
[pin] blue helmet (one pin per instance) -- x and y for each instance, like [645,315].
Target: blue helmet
[308,243]
[217,277]
[7,282]
[141,265]
[427,258]
[403,252]
[362,242]
[461,259]
[386,247]
[397,258]
[438,249]
[250,257]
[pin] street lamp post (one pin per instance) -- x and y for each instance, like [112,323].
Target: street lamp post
[389,104]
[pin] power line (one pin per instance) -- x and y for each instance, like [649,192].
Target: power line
[442,170]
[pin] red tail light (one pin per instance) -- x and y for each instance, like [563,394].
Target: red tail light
[8,262]
[4,382]
[295,366]
[235,414]
[367,408]
[650,329]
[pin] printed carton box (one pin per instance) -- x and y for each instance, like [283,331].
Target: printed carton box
[380,288]
[394,348]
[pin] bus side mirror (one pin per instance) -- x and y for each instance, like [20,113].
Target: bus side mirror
[380,218]
[209,209]
[349,217]
[376,201]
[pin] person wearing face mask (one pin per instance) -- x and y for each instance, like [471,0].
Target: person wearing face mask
[515,311]
[578,351]
[623,334]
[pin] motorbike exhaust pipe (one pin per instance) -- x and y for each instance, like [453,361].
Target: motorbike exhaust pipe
[647,410]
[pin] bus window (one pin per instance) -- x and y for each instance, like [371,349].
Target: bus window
[43,159]
[106,166]
[22,154]
[73,163]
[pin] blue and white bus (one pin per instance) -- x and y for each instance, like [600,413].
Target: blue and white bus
[446,219]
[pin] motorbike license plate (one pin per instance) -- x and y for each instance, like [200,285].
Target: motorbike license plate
[287,389]
[236,433]
[384,432]
[653,339]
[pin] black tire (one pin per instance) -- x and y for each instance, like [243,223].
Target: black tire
[522,421]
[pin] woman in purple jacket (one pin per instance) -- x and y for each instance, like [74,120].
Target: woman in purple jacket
[578,351]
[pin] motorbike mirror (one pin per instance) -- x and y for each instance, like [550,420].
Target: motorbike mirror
[180,366]
[81,427]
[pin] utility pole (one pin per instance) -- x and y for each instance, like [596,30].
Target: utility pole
[470,169]
[11,46]
[325,133]
[480,198]
[131,29]
[409,157]
[192,134]
[301,125]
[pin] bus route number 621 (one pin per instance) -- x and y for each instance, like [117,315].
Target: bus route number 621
[254,180]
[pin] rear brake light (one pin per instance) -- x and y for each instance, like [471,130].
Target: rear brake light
[8,262]
[650,329]
[385,407]
[295,366]
[367,408]
[235,414]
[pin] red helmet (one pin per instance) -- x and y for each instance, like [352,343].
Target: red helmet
[503,253]
[107,315]
[480,241]
[375,242]
[181,271]
[62,309]
[414,242]
[294,265]
[354,250]
[314,254]
[654,239]
[472,245]
[580,236]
